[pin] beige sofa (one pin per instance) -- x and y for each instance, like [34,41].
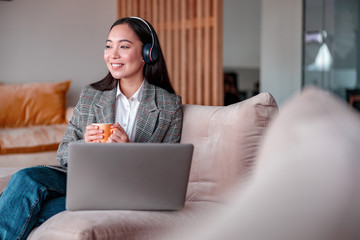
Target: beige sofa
[296,179]
[226,141]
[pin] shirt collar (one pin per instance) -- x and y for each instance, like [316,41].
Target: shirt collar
[137,95]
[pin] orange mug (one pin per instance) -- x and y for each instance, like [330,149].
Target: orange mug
[106,127]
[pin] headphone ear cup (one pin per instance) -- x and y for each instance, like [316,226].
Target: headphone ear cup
[154,52]
[146,53]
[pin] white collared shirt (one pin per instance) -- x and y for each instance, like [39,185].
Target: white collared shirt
[126,111]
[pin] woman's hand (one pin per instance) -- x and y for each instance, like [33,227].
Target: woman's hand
[92,134]
[119,135]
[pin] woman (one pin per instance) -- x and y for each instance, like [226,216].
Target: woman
[136,95]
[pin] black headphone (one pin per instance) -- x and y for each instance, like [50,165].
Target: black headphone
[150,51]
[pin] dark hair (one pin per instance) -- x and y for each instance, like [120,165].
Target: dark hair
[155,72]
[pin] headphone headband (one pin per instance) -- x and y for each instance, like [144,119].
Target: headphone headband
[150,51]
[152,34]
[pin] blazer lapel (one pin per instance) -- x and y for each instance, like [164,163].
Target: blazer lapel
[105,107]
[147,114]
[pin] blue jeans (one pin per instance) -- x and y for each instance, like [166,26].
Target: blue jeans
[31,197]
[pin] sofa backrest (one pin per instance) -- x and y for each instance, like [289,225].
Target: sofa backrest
[226,141]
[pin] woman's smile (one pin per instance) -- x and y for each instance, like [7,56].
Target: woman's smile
[117,66]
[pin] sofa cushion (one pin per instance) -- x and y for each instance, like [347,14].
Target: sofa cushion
[31,139]
[226,141]
[92,225]
[28,159]
[306,182]
[5,175]
[33,104]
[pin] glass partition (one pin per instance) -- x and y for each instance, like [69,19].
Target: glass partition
[331,57]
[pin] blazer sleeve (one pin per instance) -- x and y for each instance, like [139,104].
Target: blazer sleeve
[74,133]
[173,134]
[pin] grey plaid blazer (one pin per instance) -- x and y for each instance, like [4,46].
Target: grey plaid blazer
[159,117]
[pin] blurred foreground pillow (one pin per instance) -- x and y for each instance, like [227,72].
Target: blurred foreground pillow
[32,104]
[306,181]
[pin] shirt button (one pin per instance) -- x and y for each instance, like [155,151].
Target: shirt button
[132,99]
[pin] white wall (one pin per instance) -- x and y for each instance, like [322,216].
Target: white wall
[265,35]
[281,48]
[241,41]
[241,33]
[42,40]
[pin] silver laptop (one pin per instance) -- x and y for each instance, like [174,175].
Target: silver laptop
[130,176]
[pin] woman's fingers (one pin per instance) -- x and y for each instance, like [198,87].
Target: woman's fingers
[117,126]
[92,133]
[118,135]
